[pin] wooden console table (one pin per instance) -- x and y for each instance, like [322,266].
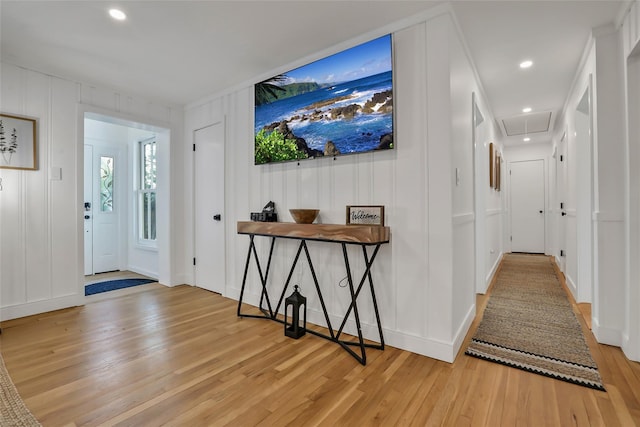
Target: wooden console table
[361,235]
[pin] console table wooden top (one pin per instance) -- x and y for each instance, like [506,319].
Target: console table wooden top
[361,234]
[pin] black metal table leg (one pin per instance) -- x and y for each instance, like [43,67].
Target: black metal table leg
[365,276]
[354,292]
[286,284]
[315,281]
[373,293]
[362,358]
[264,295]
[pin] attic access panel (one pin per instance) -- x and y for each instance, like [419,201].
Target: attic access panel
[527,123]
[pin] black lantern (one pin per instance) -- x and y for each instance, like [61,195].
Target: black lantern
[293,328]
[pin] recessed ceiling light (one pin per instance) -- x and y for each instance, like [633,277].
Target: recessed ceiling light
[117,14]
[526,64]
[526,110]
[527,139]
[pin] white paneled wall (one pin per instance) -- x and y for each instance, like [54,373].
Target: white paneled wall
[608,189]
[41,218]
[34,253]
[630,34]
[425,277]
[596,237]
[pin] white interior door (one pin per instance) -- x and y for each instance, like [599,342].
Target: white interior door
[88,214]
[527,206]
[106,208]
[209,219]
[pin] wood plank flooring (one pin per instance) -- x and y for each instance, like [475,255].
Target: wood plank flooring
[180,357]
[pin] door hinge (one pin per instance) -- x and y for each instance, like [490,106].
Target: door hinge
[194,147]
[511,238]
[194,261]
[561,158]
[561,252]
[561,205]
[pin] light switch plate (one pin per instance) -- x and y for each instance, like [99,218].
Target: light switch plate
[55,173]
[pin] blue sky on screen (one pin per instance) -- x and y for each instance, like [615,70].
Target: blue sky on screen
[364,60]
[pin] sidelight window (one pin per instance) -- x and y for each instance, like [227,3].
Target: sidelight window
[147,193]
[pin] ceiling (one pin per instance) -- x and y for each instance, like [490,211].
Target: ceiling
[181,51]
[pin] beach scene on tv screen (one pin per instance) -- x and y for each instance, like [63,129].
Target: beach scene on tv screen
[342,104]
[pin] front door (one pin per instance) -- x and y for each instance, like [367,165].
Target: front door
[209,270]
[527,206]
[102,209]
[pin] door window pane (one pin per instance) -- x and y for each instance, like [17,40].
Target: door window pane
[106,184]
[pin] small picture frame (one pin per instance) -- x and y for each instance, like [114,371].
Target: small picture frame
[17,142]
[365,215]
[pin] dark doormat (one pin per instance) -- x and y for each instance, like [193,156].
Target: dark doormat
[112,285]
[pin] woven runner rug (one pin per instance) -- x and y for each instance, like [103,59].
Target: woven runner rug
[13,411]
[529,324]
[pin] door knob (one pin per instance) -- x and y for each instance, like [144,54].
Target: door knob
[540,211]
[87,217]
[564,213]
[217,217]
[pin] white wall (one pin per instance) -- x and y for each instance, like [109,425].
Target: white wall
[424,278]
[596,187]
[578,200]
[608,310]
[471,273]
[41,219]
[630,40]
[489,211]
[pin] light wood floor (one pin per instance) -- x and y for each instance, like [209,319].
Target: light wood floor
[180,356]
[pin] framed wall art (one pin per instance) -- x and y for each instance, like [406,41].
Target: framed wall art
[18,148]
[365,215]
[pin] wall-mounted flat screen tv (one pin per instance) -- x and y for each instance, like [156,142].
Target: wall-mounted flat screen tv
[342,104]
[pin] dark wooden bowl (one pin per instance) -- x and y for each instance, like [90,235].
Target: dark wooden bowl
[304,216]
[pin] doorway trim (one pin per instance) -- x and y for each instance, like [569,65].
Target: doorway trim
[163,131]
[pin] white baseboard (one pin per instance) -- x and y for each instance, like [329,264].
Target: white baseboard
[436,349]
[152,274]
[630,350]
[37,307]
[181,279]
[572,286]
[461,333]
[606,335]
[492,273]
